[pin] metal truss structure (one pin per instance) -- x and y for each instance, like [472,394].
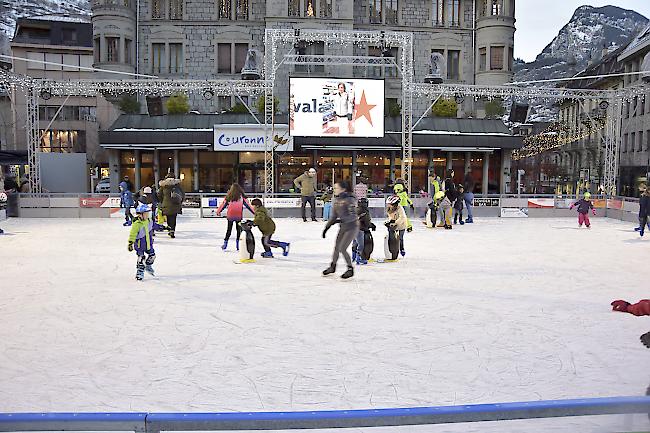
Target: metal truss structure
[277,40]
[612,98]
[278,51]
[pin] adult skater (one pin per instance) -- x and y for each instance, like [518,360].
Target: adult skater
[307,184]
[584,205]
[468,196]
[644,211]
[170,197]
[127,202]
[344,212]
[235,201]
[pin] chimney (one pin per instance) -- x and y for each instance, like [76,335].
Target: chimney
[604,51]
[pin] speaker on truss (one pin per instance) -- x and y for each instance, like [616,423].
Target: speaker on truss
[154,105]
[518,112]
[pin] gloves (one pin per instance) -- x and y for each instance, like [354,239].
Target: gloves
[130,247]
[620,305]
[372,227]
[409,229]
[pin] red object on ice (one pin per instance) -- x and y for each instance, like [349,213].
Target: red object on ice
[641,308]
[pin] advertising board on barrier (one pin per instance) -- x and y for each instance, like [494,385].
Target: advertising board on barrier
[486,202]
[234,138]
[514,212]
[191,207]
[330,107]
[541,203]
[94,202]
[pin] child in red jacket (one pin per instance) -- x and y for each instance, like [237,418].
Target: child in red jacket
[584,205]
[236,202]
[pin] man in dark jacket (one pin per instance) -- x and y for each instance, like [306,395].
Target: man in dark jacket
[450,187]
[644,210]
[170,197]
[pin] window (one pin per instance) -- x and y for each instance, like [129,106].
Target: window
[378,71]
[97,54]
[62,141]
[312,49]
[112,50]
[632,141]
[453,65]
[511,58]
[157,55]
[496,58]
[374,71]
[71,61]
[438,12]
[157,9]
[294,8]
[224,9]
[453,12]
[325,9]
[128,46]
[497,7]
[624,143]
[224,64]
[309,9]
[175,58]
[242,10]
[176,9]
[241,50]
[647,140]
[224,103]
[375,12]
[392,10]
[69,36]
[482,59]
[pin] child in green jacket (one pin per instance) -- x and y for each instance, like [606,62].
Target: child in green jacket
[141,240]
[266,225]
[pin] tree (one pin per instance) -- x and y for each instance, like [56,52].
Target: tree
[444,108]
[260,105]
[239,108]
[178,104]
[494,108]
[129,104]
[393,109]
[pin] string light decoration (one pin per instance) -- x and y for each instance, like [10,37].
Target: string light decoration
[557,135]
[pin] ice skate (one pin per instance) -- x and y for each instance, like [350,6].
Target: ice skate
[267,254]
[127,223]
[139,273]
[149,270]
[285,249]
[225,245]
[330,270]
[348,274]
[237,244]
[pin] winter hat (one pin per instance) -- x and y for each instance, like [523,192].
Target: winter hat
[312,170]
[587,196]
[147,190]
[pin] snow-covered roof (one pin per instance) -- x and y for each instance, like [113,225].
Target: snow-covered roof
[60,18]
[640,42]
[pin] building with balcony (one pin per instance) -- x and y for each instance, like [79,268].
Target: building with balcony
[209,39]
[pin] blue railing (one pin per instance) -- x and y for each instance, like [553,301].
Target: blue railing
[157,422]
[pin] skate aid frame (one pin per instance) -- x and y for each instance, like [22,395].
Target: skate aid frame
[157,422]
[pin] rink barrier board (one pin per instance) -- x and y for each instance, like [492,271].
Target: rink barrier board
[205,205]
[157,422]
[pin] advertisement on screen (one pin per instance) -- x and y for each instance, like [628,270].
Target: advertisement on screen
[331,107]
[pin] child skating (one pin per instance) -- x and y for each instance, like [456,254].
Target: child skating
[235,201]
[584,205]
[458,206]
[397,219]
[365,225]
[404,201]
[141,240]
[326,198]
[344,213]
[266,225]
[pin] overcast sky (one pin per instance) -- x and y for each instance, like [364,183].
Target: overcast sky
[538,22]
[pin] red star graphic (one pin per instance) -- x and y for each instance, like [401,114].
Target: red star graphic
[363,109]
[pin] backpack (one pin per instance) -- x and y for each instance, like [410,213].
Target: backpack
[176,195]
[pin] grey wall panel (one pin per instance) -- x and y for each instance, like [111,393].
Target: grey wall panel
[64,172]
[94,212]
[64,202]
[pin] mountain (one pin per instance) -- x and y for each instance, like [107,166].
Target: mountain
[581,41]
[591,32]
[10,10]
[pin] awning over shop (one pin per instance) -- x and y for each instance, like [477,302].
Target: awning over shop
[195,131]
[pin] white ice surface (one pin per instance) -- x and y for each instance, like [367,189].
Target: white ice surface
[501,310]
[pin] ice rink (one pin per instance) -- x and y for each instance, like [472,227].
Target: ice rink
[501,310]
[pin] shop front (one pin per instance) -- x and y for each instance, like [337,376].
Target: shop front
[210,152]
